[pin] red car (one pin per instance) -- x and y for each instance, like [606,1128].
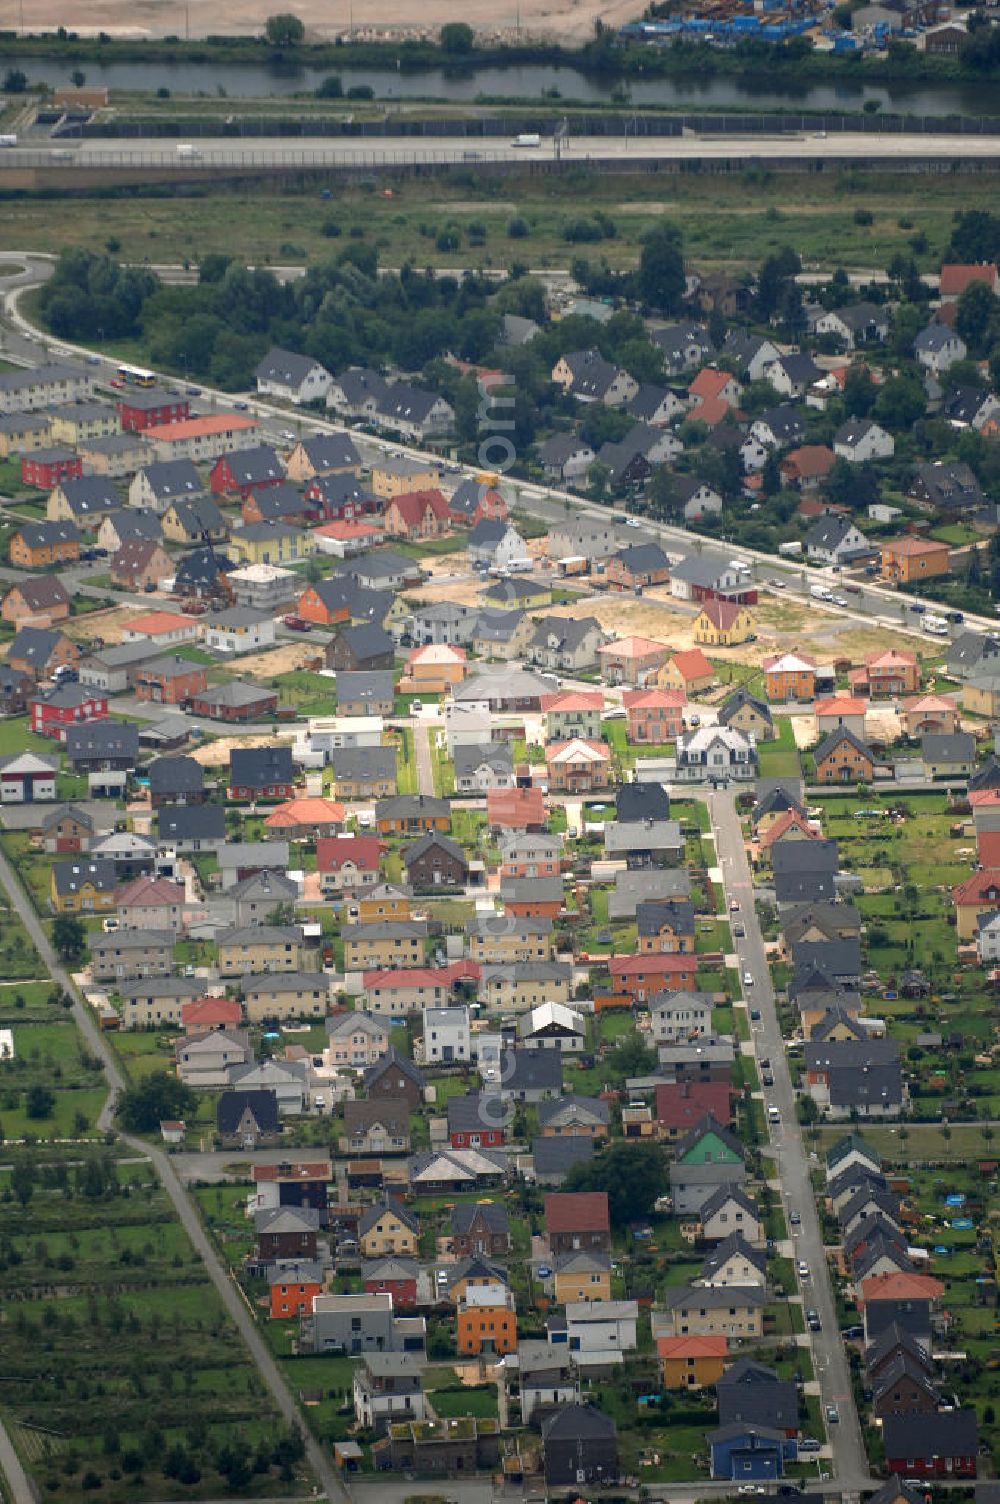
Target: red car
[297,624]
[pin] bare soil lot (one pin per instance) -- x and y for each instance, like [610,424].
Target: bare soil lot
[567,20]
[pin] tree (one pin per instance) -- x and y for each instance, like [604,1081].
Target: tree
[15,82]
[976,318]
[777,273]
[661,267]
[284,30]
[457,37]
[22,1181]
[69,937]
[900,402]
[975,237]
[39,1102]
[142,1108]
[859,392]
[632,1175]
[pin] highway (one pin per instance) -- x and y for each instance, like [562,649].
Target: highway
[789,1153]
[217,154]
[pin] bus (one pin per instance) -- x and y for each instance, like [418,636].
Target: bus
[134,376]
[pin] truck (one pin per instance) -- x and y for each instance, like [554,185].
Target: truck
[520,566]
[188,152]
[790,550]
[820,593]
[935,625]
[573,564]
[527,138]
[8,140]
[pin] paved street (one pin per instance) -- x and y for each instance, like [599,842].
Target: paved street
[829,1356]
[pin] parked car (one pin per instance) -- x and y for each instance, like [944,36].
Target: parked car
[297,624]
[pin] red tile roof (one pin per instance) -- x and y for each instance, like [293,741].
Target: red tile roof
[981,886]
[577,1211]
[900,1286]
[692,1347]
[692,664]
[682,1104]
[515,809]
[721,614]
[333,851]
[956,277]
[210,1012]
[413,506]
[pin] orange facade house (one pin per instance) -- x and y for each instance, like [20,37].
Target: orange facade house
[892,673]
[790,676]
[691,1362]
[293,1289]
[433,670]
[417,514]
[487,1321]
[654,715]
[906,560]
[628,660]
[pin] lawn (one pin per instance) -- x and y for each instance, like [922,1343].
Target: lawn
[406,765]
[779,758]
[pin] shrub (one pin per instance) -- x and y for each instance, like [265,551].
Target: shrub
[864,217]
[517,228]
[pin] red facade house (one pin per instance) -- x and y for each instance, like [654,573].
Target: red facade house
[69,705]
[654,715]
[245,471]
[170,681]
[942,1445]
[515,809]
[392,1276]
[46,468]
[292,1291]
[138,411]
[475,1122]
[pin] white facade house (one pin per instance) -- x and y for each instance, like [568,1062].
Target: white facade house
[552,1026]
[715,753]
[938,347]
[447,1035]
[601,1331]
[239,630]
[860,440]
[386,1389]
[988,938]
[294,378]
[680,1015]
[495,543]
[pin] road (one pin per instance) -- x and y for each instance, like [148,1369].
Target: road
[322,1467]
[790,1156]
[214,155]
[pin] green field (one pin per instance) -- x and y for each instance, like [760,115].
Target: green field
[122,1373]
[726,218]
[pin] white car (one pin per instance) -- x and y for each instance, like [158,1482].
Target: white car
[748,979]
[633,522]
[803,1268]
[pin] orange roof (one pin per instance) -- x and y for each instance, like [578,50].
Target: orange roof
[577,749]
[710,410]
[890,658]
[515,809]
[436,652]
[983,796]
[901,1286]
[721,614]
[654,699]
[692,1347]
[210,1012]
[840,705]
[633,647]
[909,547]
[312,811]
[930,702]
[692,664]
[155,622]
[574,699]
[979,887]
[810,461]
[346,530]
[192,428]
[955,277]
[709,382]
[422,976]
[791,819]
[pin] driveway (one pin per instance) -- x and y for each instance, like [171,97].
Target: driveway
[789,1153]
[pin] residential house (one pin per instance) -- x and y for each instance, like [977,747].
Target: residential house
[39,652]
[691,1362]
[891,673]
[361,649]
[239,629]
[631,660]
[574,1116]
[680,1015]
[565,458]
[588,377]
[654,715]
[277,996]
[743,712]
[377,1128]
[638,566]
[446,1037]
[388,1228]
[948,755]
[39,602]
[938,347]
[688,671]
[565,643]
[723,624]
[578,766]
[37,545]
[579,1446]
[261,773]
[249,1120]
[790,676]
[53,711]
[244,949]
[908,559]
[392,1075]
[697,1311]
[943,1445]
[862,440]
[577,1220]
[716,754]
[836,540]
[140,564]
[157,485]
[842,757]
[573,713]
[481,768]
